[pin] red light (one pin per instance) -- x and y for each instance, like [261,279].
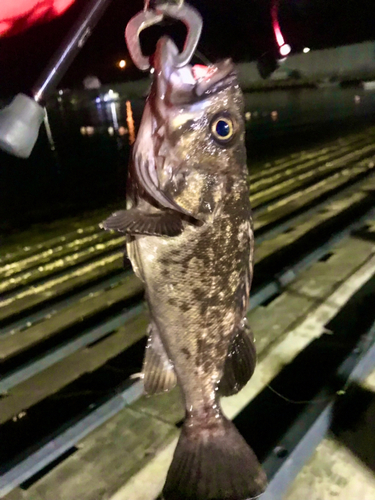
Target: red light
[16,15]
[284,48]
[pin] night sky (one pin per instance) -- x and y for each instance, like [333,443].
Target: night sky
[240,29]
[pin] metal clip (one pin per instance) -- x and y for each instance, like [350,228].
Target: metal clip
[189,16]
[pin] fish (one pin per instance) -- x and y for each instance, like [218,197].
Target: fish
[190,240]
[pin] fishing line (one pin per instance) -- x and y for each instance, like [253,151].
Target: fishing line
[340,392]
[202,58]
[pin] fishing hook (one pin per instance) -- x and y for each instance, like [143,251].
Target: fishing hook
[150,16]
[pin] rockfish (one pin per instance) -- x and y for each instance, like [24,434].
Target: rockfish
[190,239]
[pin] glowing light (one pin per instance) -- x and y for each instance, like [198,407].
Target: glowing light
[114,115]
[18,15]
[285,49]
[274,115]
[279,37]
[110,96]
[306,50]
[357,99]
[247,116]
[130,122]
[122,64]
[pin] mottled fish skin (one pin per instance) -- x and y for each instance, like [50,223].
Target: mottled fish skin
[198,282]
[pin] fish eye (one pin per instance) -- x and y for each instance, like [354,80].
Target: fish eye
[222,129]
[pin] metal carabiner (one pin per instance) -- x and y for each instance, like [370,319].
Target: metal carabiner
[188,15]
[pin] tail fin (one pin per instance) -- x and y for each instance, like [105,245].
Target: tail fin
[213,463]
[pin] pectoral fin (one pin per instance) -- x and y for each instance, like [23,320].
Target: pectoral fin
[135,221]
[158,371]
[240,362]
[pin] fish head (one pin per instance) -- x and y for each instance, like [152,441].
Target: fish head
[192,128]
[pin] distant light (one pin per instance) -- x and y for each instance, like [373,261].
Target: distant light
[61,92]
[306,50]
[247,116]
[152,70]
[122,64]
[98,100]
[110,96]
[87,130]
[274,116]
[357,99]
[130,122]
[111,130]
[285,49]
[122,130]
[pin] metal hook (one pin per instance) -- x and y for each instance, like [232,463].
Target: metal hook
[189,16]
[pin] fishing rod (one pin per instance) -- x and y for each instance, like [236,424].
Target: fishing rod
[21,119]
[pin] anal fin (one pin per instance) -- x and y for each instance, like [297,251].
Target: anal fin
[240,362]
[136,221]
[158,371]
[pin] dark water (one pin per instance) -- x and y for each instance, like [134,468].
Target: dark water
[83,165]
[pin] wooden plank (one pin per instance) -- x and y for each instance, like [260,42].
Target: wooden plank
[86,307]
[33,296]
[296,201]
[38,241]
[322,279]
[311,153]
[343,465]
[290,170]
[61,264]
[59,375]
[81,477]
[294,182]
[304,225]
[64,248]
